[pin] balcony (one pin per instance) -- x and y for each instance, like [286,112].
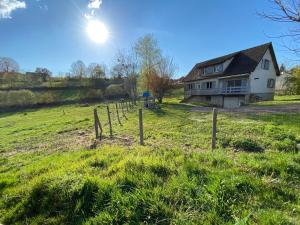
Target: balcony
[218,91]
[204,91]
[235,90]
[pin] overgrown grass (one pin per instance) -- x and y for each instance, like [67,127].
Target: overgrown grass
[27,98]
[49,175]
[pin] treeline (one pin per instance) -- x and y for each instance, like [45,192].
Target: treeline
[26,98]
[140,68]
[29,98]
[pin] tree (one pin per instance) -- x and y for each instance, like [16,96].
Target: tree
[148,53]
[287,11]
[293,81]
[160,78]
[96,71]
[8,65]
[44,73]
[78,69]
[126,67]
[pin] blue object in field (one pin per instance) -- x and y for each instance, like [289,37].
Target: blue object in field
[146,94]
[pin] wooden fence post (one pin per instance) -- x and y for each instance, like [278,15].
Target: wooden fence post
[141,127]
[123,112]
[109,122]
[96,123]
[126,102]
[117,110]
[214,129]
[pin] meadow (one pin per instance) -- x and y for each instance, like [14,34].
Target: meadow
[54,172]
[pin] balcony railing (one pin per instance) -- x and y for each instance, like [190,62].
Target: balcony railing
[234,90]
[216,91]
[204,91]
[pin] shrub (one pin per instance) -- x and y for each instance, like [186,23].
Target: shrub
[20,98]
[115,90]
[95,94]
[46,98]
[3,98]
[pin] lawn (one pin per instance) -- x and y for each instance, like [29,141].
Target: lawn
[53,171]
[281,100]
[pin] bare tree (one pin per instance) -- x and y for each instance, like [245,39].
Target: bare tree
[160,79]
[96,71]
[8,65]
[78,69]
[44,73]
[149,53]
[287,11]
[126,67]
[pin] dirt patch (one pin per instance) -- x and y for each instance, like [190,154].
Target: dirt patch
[290,108]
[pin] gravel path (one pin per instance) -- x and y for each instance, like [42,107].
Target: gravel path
[290,108]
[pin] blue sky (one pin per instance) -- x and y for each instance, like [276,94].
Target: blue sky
[51,33]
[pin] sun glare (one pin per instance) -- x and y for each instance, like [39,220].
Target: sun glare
[97,31]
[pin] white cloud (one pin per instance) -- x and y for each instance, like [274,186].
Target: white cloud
[7,6]
[94,4]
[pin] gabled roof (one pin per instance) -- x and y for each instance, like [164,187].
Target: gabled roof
[243,62]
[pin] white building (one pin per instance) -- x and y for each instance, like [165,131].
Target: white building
[235,79]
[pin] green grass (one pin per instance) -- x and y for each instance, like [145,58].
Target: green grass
[280,100]
[52,173]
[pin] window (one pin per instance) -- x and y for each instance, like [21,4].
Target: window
[208,85]
[219,68]
[190,86]
[208,70]
[265,64]
[271,83]
[236,83]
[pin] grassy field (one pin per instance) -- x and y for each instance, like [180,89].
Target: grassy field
[53,171]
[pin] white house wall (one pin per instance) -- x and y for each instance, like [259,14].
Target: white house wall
[259,78]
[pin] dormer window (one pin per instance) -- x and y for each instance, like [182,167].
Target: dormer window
[265,64]
[208,70]
[219,68]
[213,69]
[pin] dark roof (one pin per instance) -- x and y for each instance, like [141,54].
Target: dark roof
[243,62]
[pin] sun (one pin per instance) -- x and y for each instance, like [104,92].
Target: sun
[97,31]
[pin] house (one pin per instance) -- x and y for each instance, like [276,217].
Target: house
[235,79]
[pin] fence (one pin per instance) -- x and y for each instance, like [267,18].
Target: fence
[126,106]
[119,109]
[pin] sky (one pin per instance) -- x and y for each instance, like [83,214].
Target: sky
[52,33]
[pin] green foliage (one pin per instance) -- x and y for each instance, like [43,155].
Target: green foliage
[21,98]
[25,98]
[114,90]
[293,82]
